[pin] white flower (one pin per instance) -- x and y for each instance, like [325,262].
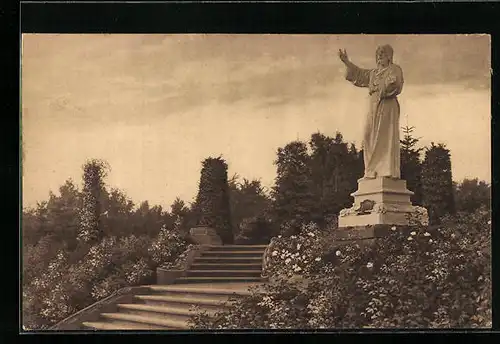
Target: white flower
[311,234]
[410,239]
[318,259]
[489,222]
[287,261]
[298,246]
[338,253]
[293,237]
[427,234]
[393,228]
[452,235]
[297,269]
[369,265]
[430,241]
[413,233]
[279,236]
[275,253]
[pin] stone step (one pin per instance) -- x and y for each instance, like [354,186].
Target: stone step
[185,301]
[259,248]
[205,279]
[167,312]
[229,259]
[224,273]
[208,290]
[120,326]
[227,266]
[234,253]
[149,320]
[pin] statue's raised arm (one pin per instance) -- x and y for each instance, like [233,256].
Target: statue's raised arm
[358,76]
[381,133]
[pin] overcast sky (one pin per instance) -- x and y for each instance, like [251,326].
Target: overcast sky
[154,106]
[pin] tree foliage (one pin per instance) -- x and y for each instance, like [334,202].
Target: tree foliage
[313,185]
[335,168]
[213,198]
[411,165]
[93,194]
[472,194]
[437,184]
[291,192]
[248,201]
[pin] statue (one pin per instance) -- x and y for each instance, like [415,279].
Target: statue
[382,197]
[381,148]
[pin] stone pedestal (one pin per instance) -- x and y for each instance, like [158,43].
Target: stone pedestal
[205,236]
[379,201]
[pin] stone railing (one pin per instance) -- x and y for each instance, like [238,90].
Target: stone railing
[93,312]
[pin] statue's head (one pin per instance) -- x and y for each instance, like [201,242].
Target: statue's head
[384,55]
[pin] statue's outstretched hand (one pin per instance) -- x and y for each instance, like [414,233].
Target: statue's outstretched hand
[343,56]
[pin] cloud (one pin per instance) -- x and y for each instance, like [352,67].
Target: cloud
[176,73]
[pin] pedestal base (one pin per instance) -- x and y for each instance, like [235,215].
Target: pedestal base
[205,236]
[388,218]
[382,201]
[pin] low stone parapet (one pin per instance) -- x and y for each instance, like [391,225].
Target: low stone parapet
[93,312]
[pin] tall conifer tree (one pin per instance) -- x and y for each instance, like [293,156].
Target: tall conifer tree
[437,184]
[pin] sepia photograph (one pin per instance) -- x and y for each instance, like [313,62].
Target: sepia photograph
[178,182]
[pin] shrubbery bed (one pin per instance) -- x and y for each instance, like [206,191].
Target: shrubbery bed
[434,277]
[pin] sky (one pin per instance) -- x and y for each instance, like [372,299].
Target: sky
[154,106]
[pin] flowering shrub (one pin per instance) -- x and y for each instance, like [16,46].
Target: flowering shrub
[167,246]
[180,262]
[297,254]
[280,306]
[431,277]
[65,287]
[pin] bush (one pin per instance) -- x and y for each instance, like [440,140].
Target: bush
[255,231]
[434,277]
[68,285]
[297,254]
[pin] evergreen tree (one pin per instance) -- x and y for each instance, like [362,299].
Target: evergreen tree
[248,200]
[62,215]
[180,215]
[116,219]
[437,185]
[94,193]
[213,199]
[147,220]
[411,165]
[291,192]
[472,194]
[334,173]
[357,169]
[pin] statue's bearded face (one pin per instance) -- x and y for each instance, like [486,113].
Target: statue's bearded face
[382,58]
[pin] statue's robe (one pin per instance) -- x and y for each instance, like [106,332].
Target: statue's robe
[381,147]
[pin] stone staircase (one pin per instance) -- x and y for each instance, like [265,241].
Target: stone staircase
[225,264]
[218,274]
